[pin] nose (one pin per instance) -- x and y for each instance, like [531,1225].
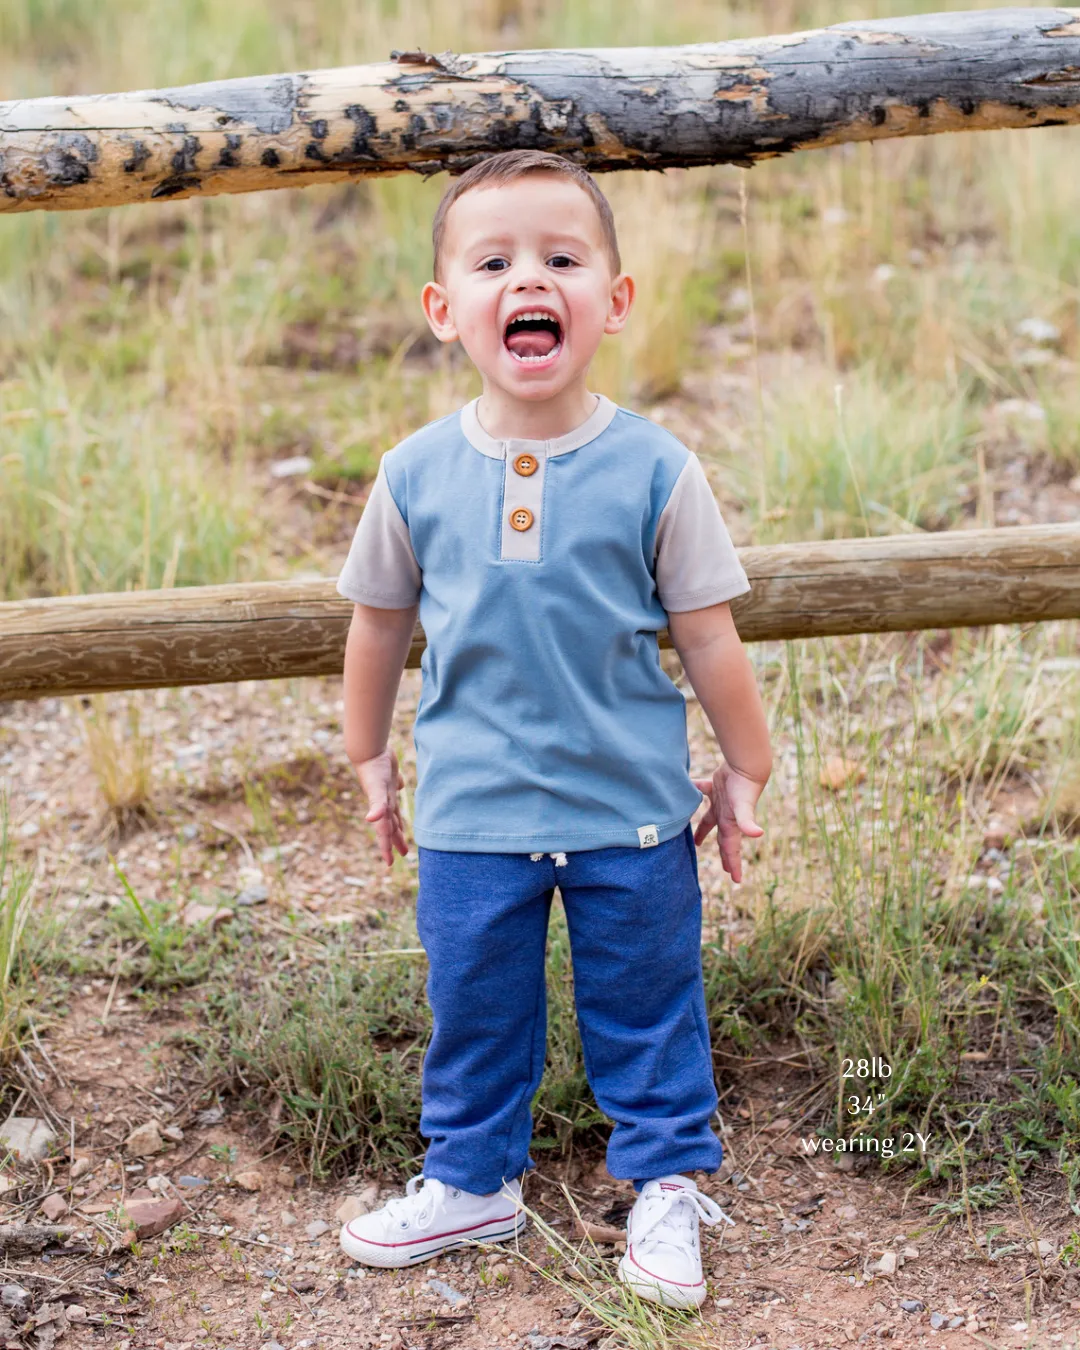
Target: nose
[531,279]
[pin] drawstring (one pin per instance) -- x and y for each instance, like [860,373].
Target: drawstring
[560,858]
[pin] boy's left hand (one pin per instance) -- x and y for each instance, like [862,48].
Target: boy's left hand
[732,797]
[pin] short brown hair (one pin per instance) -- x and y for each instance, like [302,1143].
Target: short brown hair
[504,168]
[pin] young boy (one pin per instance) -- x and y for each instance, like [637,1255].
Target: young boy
[546,536]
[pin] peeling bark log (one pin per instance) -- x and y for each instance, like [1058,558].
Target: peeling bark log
[617,108]
[269,630]
[27,1239]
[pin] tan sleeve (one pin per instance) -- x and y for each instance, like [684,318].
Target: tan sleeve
[696,562]
[381,569]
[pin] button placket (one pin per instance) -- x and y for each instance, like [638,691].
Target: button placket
[524,471]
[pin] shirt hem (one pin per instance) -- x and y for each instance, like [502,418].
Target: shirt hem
[680,604]
[566,842]
[375,600]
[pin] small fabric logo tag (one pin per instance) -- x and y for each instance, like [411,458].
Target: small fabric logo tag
[648,837]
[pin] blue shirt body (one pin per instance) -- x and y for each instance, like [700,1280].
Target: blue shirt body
[546,722]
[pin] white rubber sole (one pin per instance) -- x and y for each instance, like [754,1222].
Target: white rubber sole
[656,1290]
[395,1255]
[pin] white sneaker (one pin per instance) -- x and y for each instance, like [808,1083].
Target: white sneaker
[663,1255]
[429,1219]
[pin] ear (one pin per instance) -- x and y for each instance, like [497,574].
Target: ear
[622,298]
[436,305]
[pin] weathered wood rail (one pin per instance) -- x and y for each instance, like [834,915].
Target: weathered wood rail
[268,630]
[619,108]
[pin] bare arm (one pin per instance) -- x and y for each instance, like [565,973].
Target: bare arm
[375,653]
[722,677]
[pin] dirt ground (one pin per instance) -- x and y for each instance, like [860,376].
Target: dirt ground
[253,1260]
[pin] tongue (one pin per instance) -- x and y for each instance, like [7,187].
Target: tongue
[537,342]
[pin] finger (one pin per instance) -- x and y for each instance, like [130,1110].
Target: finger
[376,812]
[705,825]
[729,841]
[400,842]
[386,851]
[744,818]
[703,785]
[731,856]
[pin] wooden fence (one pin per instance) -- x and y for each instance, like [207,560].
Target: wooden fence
[267,630]
[623,108]
[642,108]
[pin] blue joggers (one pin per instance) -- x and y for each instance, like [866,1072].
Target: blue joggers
[634,917]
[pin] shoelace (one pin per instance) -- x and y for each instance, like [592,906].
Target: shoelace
[669,1209]
[405,1210]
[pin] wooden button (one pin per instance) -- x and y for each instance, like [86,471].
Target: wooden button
[521,518]
[526,465]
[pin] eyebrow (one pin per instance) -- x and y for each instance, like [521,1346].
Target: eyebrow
[485,243]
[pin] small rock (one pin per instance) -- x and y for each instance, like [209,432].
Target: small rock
[76,1312]
[249,1180]
[724,1302]
[316,1229]
[1044,1247]
[912,1305]
[253,895]
[938,1320]
[14,1296]
[911,1253]
[445,1291]
[887,1264]
[196,914]
[955,1322]
[145,1140]
[996,833]
[288,1219]
[158,1185]
[1038,330]
[293,467]
[837,772]
[192,1183]
[79,1168]
[847,1212]
[53,1206]
[173,1133]
[151,1217]
[27,1137]
[351,1208]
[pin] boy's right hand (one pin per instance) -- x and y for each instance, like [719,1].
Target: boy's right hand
[382,781]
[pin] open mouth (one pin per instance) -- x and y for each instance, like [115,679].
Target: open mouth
[533,336]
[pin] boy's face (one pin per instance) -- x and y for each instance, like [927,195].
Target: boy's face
[535,247]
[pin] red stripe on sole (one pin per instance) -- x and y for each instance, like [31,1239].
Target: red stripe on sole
[431,1237]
